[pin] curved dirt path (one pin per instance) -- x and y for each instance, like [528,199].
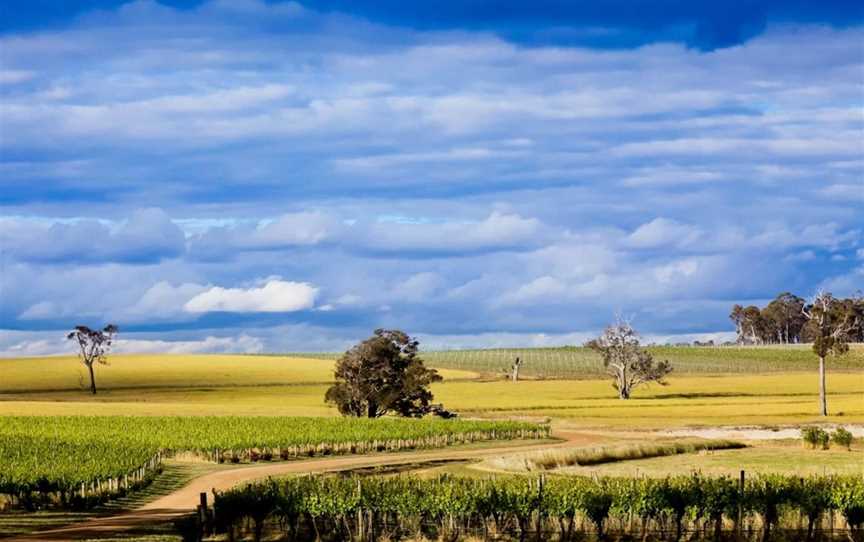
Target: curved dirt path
[185,499]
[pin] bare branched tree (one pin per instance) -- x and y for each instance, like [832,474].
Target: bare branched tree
[94,345]
[831,322]
[626,361]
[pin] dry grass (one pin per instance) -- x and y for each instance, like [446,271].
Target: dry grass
[556,459]
[169,371]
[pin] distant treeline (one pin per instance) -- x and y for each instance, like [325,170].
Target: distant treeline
[784,320]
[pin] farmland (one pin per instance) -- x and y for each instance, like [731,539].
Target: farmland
[114,449]
[560,508]
[581,362]
[281,386]
[254,409]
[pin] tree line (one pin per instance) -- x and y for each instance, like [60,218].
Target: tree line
[785,319]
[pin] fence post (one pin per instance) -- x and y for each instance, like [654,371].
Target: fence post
[740,520]
[202,516]
[360,531]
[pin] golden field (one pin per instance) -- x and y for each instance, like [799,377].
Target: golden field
[280,386]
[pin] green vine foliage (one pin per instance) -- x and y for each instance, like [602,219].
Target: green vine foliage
[559,507]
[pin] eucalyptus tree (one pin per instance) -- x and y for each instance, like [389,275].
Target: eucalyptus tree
[383,374]
[93,347]
[626,361]
[831,325]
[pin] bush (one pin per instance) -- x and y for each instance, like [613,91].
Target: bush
[815,436]
[842,437]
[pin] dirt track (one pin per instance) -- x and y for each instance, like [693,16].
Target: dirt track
[187,498]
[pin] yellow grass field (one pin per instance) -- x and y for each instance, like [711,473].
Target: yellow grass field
[169,370]
[258,385]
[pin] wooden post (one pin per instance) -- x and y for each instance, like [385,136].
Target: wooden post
[360,531]
[740,520]
[202,514]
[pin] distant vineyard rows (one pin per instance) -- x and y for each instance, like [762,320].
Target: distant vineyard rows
[581,362]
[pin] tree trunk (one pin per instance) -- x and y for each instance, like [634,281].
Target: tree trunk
[823,399]
[92,379]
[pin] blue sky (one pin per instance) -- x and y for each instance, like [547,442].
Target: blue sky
[240,175]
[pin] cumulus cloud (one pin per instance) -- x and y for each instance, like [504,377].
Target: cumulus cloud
[29,344]
[146,236]
[499,187]
[498,231]
[662,232]
[274,296]
[286,231]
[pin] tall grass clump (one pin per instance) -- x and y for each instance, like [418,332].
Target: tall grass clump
[555,459]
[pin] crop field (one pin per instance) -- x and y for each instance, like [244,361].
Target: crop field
[580,362]
[252,409]
[167,386]
[558,508]
[125,450]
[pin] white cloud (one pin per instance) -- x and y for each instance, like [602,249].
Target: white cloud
[243,344]
[662,232]
[274,296]
[51,343]
[163,300]
[498,231]
[147,235]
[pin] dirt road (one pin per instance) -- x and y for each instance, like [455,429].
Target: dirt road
[187,498]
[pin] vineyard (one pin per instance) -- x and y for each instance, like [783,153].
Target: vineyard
[559,508]
[576,362]
[103,457]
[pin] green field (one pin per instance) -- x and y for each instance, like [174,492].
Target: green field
[125,451]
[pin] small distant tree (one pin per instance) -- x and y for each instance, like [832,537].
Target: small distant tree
[93,347]
[383,374]
[831,323]
[626,361]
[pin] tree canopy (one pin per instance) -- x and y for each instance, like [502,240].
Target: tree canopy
[784,320]
[382,375]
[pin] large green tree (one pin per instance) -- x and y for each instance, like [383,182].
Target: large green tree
[382,375]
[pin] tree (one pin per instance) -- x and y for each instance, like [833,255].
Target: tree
[94,346]
[626,361]
[784,319]
[831,322]
[383,374]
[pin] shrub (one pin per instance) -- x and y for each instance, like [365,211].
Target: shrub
[842,437]
[815,436]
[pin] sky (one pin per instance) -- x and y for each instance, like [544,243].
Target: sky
[251,176]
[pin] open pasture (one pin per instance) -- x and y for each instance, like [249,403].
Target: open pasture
[167,371]
[279,386]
